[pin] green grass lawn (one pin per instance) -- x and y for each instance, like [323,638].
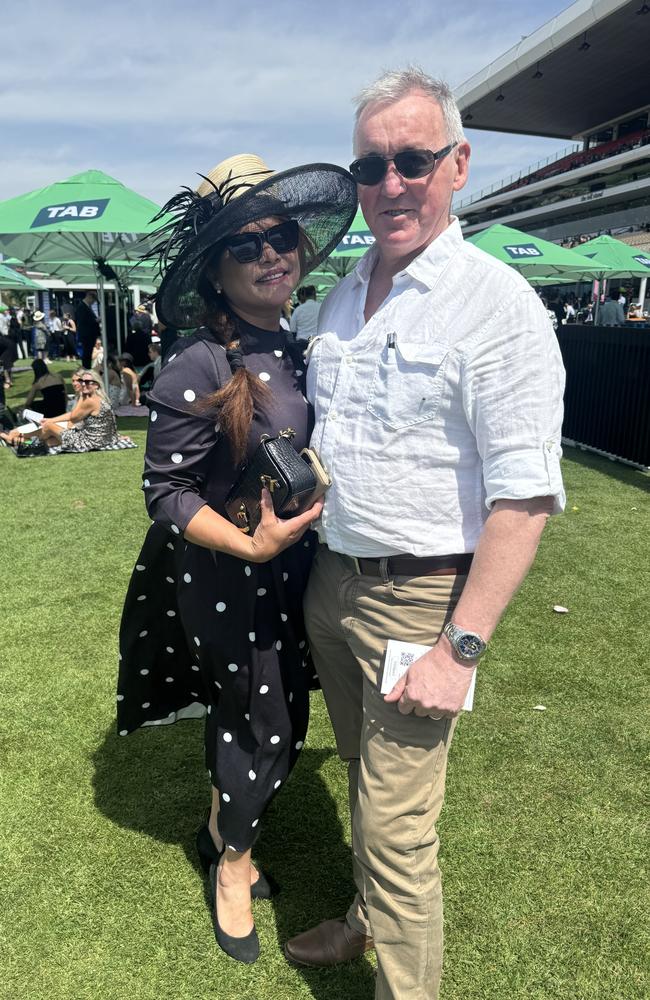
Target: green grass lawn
[544,848]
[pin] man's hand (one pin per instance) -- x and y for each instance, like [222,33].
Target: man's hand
[434,685]
[272,534]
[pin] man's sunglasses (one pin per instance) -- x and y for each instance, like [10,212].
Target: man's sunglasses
[410,163]
[246,247]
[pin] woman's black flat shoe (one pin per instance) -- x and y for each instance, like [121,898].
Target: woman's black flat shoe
[263,888]
[243,949]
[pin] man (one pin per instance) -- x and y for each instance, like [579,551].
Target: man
[437,383]
[612,312]
[139,338]
[55,326]
[304,318]
[88,328]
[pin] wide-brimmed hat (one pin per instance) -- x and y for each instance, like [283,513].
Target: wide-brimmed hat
[38,315]
[321,197]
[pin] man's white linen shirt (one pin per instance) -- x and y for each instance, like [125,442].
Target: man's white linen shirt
[448,399]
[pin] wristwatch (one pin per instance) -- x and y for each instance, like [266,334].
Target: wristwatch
[469,645]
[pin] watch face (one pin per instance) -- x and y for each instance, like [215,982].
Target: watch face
[470,646]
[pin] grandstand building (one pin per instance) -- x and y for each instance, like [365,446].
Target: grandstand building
[585,77]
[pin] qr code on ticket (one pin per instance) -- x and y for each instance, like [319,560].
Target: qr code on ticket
[399,657]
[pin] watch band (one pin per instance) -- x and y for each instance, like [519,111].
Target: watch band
[470,646]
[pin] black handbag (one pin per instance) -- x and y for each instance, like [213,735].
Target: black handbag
[31,449]
[294,480]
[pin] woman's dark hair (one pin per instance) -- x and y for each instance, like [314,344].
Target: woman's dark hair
[113,362]
[39,368]
[235,403]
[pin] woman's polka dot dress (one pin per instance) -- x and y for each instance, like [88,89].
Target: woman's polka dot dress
[203,633]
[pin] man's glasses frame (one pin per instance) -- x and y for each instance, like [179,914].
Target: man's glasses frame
[247,247]
[410,163]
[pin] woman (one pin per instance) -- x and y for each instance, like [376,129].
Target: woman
[131,380]
[40,336]
[117,389]
[216,623]
[75,379]
[69,337]
[51,385]
[89,426]
[97,355]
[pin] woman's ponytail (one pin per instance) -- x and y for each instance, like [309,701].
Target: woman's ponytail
[235,403]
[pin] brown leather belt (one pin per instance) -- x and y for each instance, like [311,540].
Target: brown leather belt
[389,566]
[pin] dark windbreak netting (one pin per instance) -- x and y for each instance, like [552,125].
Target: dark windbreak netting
[322,198]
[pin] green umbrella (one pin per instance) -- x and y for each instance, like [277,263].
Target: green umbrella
[76,272]
[88,217]
[530,255]
[9,278]
[610,258]
[357,239]
[617,259]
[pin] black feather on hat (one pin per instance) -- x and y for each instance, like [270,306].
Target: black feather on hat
[321,197]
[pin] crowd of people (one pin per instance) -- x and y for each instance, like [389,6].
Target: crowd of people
[76,421]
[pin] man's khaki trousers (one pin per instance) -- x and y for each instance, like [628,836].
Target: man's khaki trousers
[396,763]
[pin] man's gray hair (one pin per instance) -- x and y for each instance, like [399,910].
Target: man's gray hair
[392,85]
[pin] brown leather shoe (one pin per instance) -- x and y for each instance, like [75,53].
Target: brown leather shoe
[327,944]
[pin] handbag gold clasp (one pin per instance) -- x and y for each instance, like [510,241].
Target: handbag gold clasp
[242,517]
[269,483]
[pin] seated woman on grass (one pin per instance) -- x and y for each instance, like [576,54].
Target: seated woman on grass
[88,427]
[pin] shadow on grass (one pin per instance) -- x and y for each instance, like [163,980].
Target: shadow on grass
[154,782]
[626,474]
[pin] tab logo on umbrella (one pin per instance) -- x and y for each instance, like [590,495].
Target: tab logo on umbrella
[519,250]
[643,260]
[49,215]
[362,239]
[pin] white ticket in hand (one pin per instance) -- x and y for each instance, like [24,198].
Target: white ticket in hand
[399,657]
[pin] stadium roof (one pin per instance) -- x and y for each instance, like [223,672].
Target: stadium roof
[584,68]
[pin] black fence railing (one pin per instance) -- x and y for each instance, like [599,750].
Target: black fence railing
[607,399]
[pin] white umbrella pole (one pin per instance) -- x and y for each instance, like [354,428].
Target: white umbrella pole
[102,314]
[600,292]
[118,321]
[125,302]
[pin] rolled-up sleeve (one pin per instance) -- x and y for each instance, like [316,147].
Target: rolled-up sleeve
[513,386]
[180,438]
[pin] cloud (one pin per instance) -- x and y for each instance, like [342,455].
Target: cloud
[154,91]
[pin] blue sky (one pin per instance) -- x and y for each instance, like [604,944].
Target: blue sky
[152,92]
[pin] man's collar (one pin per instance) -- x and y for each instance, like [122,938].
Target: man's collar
[426,267]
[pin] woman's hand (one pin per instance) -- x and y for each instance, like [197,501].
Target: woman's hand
[273,535]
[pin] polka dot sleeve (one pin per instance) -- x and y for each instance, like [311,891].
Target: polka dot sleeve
[180,437]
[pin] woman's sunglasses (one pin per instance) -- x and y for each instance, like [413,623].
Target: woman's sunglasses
[246,247]
[87,381]
[410,163]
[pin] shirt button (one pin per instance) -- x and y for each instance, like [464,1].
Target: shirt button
[333,414]
[349,359]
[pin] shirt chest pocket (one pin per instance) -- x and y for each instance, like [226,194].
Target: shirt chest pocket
[407,383]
